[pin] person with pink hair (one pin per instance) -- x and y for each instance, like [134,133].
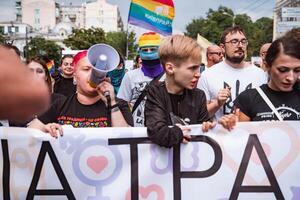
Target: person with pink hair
[88,107]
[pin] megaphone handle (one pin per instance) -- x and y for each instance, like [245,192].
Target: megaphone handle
[107,95]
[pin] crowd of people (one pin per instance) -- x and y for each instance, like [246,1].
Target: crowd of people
[167,90]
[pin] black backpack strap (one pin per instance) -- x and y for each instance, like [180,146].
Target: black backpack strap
[144,92]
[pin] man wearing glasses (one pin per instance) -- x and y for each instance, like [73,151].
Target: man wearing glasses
[214,55]
[227,79]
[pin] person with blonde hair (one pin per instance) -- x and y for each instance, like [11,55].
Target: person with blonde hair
[176,101]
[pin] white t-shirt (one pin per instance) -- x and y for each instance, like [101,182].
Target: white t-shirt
[133,83]
[219,76]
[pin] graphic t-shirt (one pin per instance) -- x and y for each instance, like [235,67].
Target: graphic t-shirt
[222,75]
[133,83]
[64,86]
[286,103]
[71,112]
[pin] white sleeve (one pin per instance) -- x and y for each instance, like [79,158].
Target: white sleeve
[125,91]
[203,85]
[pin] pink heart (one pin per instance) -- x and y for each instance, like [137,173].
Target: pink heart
[280,167]
[97,163]
[255,158]
[145,191]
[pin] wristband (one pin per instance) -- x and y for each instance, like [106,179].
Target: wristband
[115,108]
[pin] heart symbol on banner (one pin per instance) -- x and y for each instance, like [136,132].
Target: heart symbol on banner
[282,165]
[97,163]
[146,191]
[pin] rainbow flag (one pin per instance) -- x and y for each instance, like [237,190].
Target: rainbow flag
[155,15]
[51,67]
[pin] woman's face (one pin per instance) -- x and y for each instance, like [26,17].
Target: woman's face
[82,76]
[37,69]
[284,73]
[67,66]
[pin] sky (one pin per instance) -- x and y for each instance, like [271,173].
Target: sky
[185,10]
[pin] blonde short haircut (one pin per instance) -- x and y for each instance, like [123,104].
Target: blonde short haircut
[178,49]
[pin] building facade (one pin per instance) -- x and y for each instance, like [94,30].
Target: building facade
[52,21]
[286,16]
[42,15]
[74,14]
[16,33]
[100,14]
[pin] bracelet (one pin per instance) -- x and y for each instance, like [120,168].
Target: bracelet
[114,108]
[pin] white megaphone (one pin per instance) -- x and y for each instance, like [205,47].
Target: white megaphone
[103,58]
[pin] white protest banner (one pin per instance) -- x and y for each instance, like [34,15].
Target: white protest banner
[257,160]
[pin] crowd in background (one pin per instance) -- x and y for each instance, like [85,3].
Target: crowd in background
[168,89]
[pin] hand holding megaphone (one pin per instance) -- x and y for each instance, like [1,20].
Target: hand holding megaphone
[105,88]
[103,58]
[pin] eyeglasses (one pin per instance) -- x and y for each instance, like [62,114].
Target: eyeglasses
[217,53]
[235,42]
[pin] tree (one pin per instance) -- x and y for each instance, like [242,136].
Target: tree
[84,38]
[132,45]
[122,40]
[217,21]
[118,41]
[39,46]
[2,38]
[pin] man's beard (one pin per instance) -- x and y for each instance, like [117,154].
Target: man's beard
[235,59]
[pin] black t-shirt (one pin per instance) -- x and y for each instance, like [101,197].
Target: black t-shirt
[175,101]
[64,86]
[286,103]
[54,99]
[71,112]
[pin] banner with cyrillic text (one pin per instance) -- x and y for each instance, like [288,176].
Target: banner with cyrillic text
[256,160]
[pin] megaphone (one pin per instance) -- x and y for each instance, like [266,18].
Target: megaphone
[103,58]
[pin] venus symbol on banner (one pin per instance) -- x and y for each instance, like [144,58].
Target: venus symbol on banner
[95,164]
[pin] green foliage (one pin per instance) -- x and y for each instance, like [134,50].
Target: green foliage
[217,21]
[40,46]
[2,38]
[117,40]
[84,38]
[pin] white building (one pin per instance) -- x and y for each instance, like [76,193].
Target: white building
[48,19]
[100,14]
[16,32]
[286,16]
[75,14]
[42,15]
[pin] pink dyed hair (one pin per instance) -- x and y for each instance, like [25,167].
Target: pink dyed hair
[78,57]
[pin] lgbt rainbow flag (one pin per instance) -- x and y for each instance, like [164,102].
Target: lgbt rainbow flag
[155,15]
